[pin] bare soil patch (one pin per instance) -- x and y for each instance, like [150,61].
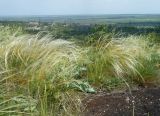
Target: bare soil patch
[142,102]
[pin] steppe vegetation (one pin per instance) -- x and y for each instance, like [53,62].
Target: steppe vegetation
[42,75]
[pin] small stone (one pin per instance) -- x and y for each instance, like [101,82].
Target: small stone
[127,99]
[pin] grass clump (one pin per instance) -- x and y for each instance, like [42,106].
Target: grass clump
[147,56]
[130,60]
[43,69]
[110,60]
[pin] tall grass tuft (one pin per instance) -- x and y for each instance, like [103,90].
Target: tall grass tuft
[128,59]
[147,55]
[42,68]
[110,60]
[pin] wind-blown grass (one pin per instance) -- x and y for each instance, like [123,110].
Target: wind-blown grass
[148,57]
[110,60]
[128,59]
[47,77]
[43,69]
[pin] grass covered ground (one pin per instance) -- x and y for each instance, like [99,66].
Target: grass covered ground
[42,76]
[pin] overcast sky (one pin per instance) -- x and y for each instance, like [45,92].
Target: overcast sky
[66,7]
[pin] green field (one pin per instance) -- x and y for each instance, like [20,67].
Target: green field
[88,19]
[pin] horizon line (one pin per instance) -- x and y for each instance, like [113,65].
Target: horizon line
[21,15]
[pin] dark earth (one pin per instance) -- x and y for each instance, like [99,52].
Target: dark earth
[141,102]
